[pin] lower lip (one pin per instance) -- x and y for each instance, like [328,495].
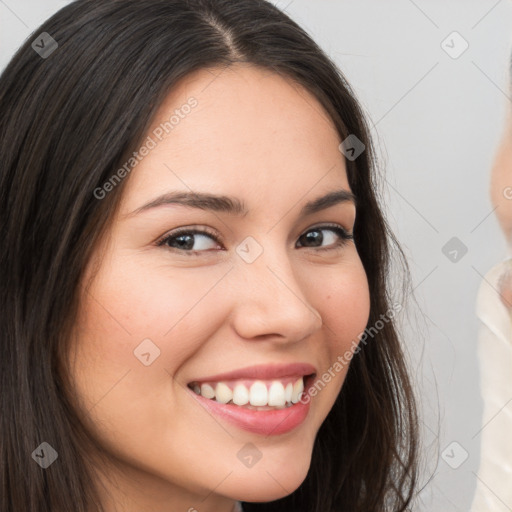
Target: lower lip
[271,422]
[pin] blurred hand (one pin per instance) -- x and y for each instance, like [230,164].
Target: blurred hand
[501,180]
[505,286]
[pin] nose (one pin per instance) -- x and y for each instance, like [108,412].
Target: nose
[269,302]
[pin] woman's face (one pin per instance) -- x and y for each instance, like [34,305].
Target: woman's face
[272,286]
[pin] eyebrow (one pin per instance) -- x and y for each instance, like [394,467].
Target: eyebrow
[234,206]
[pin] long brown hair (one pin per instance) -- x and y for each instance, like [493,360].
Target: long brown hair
[68,120]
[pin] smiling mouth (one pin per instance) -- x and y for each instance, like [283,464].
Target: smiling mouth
[257,394]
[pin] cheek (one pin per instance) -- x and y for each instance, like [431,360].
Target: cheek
[129,303]
[341,296]
[132,310]
[344,303]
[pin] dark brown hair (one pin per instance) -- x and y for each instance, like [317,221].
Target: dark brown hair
[67,122]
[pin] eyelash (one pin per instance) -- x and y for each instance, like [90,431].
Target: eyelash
[344,235]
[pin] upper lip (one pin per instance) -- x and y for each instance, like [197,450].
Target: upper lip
[263,372]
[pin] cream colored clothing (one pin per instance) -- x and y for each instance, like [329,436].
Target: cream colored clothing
[494,482]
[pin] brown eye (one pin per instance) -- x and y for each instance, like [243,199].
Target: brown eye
[314,238]
[185,240]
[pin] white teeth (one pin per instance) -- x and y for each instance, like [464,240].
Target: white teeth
[207,391]
[298,388]
[288,392]
[276,394]
[270,394]
[240,395]
[223,393]
[258,394]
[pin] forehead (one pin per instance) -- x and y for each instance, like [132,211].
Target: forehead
[248,128]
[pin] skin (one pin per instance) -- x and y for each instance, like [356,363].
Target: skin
[501,179]
[265,140]
[501,197]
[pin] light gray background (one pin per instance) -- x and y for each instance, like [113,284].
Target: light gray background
[437,123]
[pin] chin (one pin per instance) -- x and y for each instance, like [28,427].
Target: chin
[270,483]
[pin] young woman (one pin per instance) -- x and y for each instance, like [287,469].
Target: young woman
[195,313]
